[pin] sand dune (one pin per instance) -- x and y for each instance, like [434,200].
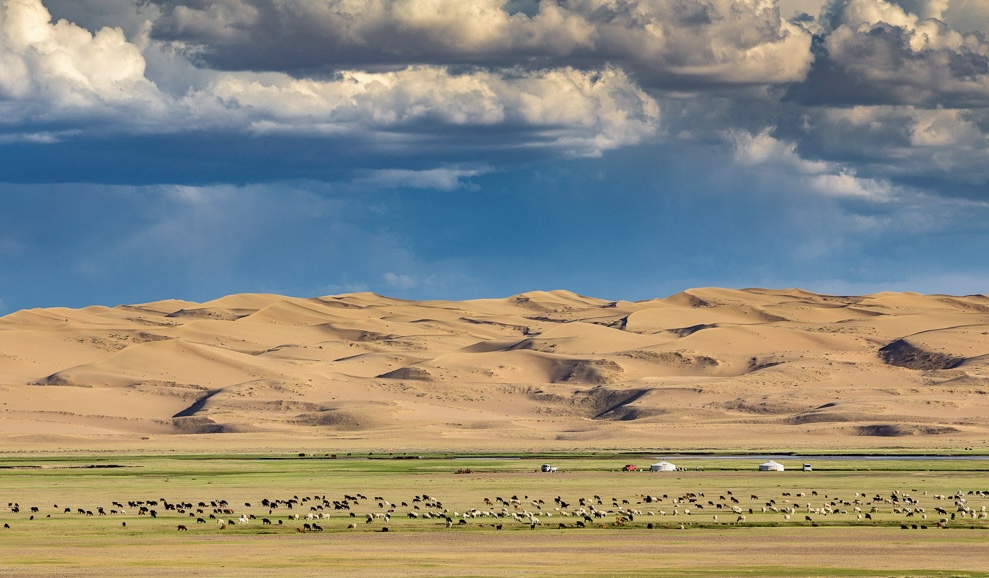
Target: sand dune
[707,368]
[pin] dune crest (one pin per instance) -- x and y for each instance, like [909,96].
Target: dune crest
[705,368]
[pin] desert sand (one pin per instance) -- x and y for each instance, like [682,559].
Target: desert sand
[703,370]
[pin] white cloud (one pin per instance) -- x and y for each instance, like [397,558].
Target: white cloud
[844,183]
[907,141]
[878,52]
[582,112]
[765,149]
[702,41]
[576,77]
[62,72]
[52,70]
[780,158]
[441,179]
[224,20]
[43,137]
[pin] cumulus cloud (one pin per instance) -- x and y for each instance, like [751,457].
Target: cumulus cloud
[847,219]
[897,89]
[904,143]
[780,158]
[50,71]
[662,43]
[579,111]
[878,52]
[56,71]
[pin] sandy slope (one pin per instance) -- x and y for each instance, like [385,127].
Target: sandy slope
[704,369]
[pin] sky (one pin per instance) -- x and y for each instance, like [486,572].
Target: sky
[459,149]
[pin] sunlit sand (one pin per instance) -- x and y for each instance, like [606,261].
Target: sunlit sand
[706,369]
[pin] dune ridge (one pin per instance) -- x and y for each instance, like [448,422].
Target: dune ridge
[707,368]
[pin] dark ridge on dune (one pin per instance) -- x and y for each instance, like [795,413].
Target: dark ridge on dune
[903,354]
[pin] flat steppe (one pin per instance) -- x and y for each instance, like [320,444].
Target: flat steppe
[703,370]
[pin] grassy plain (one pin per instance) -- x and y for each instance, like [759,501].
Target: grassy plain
[657,537]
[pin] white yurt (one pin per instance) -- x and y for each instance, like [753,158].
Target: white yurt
[662,467]
[771,466]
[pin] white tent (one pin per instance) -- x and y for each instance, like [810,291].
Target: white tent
[771,466]
[662,467]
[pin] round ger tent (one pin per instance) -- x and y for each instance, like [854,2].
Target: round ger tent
[771,466]
[662,467]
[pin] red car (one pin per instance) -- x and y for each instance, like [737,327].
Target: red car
[629,468]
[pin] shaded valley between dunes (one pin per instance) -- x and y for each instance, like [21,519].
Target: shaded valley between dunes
[704,369]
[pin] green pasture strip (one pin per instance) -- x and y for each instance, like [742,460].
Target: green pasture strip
[246,480]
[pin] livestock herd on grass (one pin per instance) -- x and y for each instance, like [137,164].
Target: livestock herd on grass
[357,512]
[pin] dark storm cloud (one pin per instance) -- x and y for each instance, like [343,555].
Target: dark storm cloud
[666,43]
[872,52]
[430,148]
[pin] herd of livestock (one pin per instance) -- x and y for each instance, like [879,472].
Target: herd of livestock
[357,512]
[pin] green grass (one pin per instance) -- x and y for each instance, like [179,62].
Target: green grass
[57,542]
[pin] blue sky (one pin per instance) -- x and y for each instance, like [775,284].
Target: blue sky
[455,149]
